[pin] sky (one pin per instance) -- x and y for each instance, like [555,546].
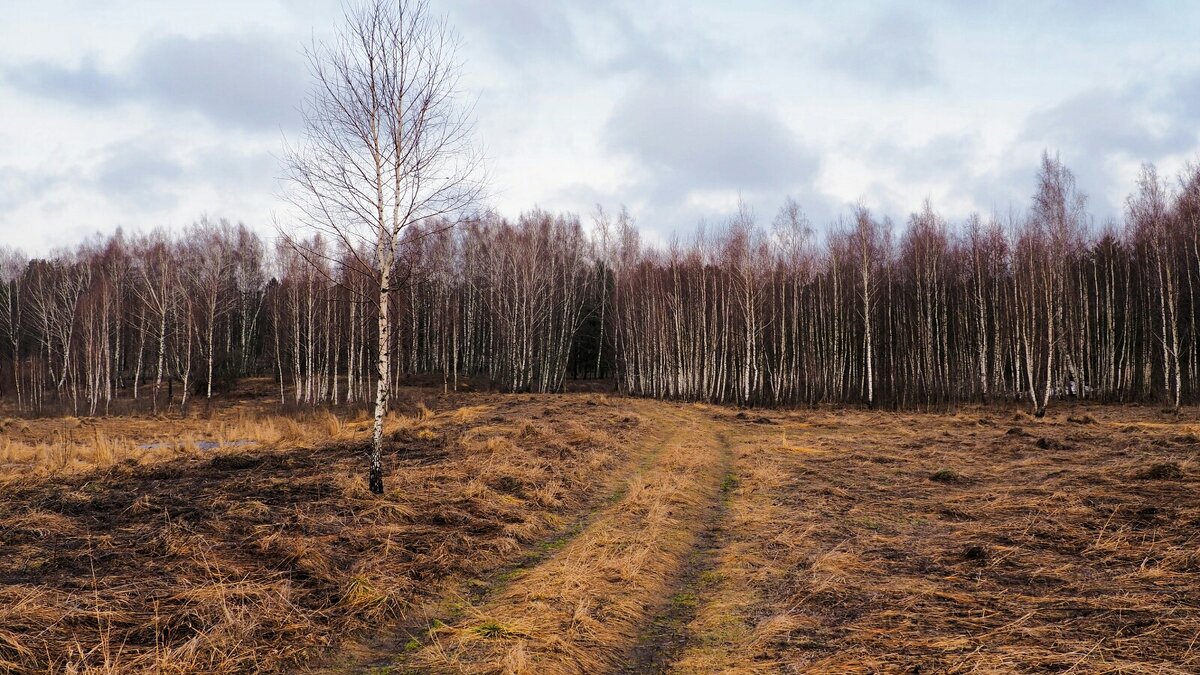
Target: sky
[143,114]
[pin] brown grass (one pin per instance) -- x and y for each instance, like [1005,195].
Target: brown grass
[982,541]
[581,609]
[61,445]
[254,559]
[1068,547]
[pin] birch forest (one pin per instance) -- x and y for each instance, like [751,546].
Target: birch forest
[1032,305]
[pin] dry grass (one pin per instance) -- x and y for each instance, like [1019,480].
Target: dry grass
[979,542]
[73,445]
[840,541]
[581,609]
[256,559]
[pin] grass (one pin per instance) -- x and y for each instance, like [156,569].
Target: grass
[947,476]
[548,534]
[77,445]
[684,600]
[1069,549]
[582,607]
[261,558]
[729,483]
[491,630]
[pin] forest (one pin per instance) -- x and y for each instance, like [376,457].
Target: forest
[1034,305]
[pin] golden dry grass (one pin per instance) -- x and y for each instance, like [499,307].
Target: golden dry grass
[258,559]
[60,445]
[982,542]
[579,610]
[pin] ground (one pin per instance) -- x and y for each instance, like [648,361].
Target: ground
[584,533]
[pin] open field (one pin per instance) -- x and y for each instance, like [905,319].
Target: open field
[591,533]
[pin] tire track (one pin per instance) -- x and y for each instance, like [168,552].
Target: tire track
[667,635]
[583,608]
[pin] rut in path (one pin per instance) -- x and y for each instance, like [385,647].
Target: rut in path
[584,608]
[667,635]
[384,649]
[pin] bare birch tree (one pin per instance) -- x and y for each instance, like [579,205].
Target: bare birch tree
[387,145]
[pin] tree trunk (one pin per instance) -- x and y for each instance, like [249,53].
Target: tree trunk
[382,387]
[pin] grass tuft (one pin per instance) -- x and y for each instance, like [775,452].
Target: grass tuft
[947,476]
[1161,471]
[492,630]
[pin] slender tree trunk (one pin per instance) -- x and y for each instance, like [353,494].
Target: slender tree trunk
[382,387]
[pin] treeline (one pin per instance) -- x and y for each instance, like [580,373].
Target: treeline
[1025,306]
[1031,306]
[160,319]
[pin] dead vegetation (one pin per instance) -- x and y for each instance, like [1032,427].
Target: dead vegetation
[57,445]
[937,543]
[247,559]
[579,611]
[832,541]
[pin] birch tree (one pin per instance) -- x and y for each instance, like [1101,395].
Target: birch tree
[867,241]
[387,144]
[12,268]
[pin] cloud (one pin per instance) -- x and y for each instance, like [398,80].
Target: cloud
[688,137]
[893,52]
[935,160]
[140,180]
[696,155]
[1101,134]
[1104,121]
[518,30]
[592,39]
[1103,131]
[19,186]
[137,175]
[245,81]
[1184,99]
[83,84]
[249,81]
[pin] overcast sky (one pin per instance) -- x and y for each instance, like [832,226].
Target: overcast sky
[143,113]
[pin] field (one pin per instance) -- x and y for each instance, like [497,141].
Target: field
[588,532]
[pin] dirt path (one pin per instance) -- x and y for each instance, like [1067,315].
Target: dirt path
[667,636]
[583,606]
[729,598]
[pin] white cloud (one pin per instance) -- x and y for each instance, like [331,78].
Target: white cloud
[147,114]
